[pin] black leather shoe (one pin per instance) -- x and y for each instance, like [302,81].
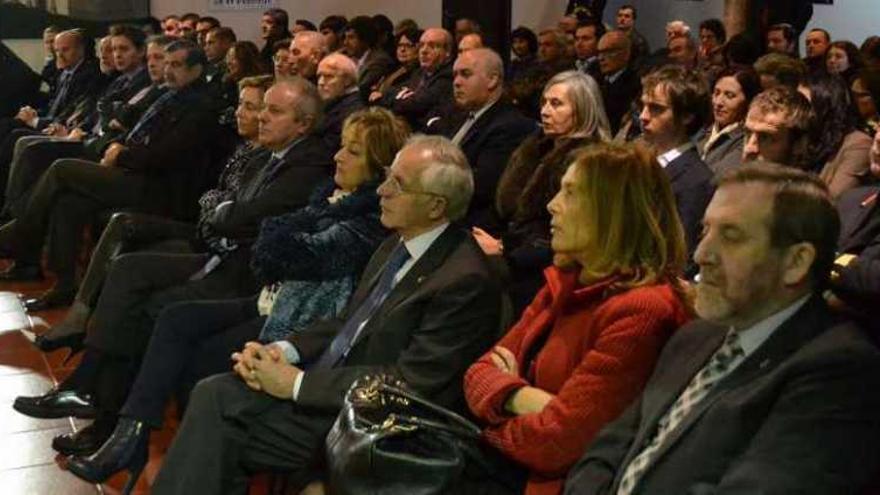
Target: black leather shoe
[50,299]
[84,442]
[56,404]
[20,272]
[127,449]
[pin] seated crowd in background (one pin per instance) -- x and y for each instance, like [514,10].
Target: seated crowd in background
[637,271]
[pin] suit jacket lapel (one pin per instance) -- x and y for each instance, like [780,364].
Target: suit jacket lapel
[484,119]
[785,340]
[427,264]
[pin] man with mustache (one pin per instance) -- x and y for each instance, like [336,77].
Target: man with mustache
[769,392]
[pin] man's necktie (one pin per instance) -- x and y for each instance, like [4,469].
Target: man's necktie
[61,94]
[715,369]
[342,343]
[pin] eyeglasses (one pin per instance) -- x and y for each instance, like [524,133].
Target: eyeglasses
[432,45]
[408,46]
[394,186]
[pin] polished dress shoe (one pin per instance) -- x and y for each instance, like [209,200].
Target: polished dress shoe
[56,404]
[22,272]
[85,441]
[126,450]
[50,299]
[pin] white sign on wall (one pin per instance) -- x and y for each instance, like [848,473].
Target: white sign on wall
[216,5]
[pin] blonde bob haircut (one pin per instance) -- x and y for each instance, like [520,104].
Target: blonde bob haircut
[590,119]
[634,227]
[380,134]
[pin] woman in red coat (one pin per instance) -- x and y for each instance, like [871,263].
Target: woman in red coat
[585,346]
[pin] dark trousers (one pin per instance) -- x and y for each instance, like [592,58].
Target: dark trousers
[230,431]
[140,285]
[8,140]
[127,232]
[33,155]
[67,199]
[191,341]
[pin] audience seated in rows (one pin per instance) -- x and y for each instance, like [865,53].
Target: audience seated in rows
[276,252]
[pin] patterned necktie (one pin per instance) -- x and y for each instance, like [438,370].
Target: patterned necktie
[716,368]
[342,343]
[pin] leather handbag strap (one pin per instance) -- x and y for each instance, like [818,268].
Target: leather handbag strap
[462,426]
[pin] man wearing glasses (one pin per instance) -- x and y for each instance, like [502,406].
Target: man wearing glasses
[431,84]
[426,307]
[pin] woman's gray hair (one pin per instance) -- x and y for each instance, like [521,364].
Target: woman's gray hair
[590,119]
[447,174]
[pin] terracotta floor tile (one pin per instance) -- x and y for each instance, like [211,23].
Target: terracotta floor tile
[46,479]
[21,361]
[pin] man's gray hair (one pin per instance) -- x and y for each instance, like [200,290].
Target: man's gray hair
[490,61]
[311,37]
[447,174]
[308,101]
[345,64]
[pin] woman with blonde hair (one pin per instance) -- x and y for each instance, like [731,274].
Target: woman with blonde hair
[572,116]
[313,255]
[587,343]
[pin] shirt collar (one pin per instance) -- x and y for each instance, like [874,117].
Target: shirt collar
[613,77]
[750,339]
[363,59]
[670,156]
[418,245]
[280,154]
[479,113]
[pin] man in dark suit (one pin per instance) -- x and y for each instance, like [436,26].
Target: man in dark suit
[140,285]
[675,104]
[586,47]
[337,85]
[361,44]
[426,307]
[161,166]
[78,76]
[619,83]
[769,392]
[429,87]
[484,126]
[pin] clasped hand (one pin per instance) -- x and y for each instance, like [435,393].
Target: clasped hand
[263,368]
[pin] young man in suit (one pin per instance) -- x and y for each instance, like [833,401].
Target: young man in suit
[485,127]
[769,392]
[675,105]
[776,127]
[361,44]
[427,305]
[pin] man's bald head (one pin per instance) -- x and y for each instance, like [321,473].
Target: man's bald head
[435,49]
[614,52]
[469,42]
[478,78]
[69,48]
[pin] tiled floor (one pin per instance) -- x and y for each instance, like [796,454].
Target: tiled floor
[28,465]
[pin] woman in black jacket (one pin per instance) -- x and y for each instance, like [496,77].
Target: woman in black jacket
[310,260]
[572,116]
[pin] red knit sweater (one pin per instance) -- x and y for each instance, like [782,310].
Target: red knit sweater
[599,353]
